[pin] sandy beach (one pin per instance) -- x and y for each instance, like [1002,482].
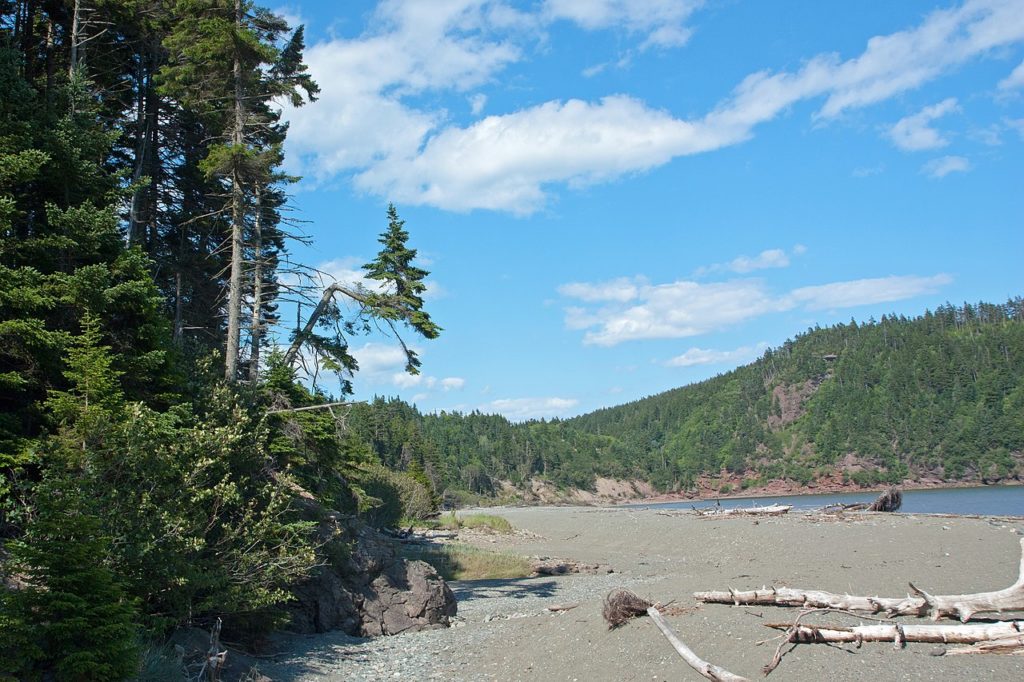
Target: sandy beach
[506,632]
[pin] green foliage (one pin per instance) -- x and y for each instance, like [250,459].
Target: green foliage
[201,529]
[72,620]
[389,496]
[402,285]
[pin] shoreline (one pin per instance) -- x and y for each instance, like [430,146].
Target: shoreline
[506,630]
[804,491]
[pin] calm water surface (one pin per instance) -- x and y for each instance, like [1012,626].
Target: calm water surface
[989,500]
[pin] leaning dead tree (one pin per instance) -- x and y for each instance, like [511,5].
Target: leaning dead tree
[921,603]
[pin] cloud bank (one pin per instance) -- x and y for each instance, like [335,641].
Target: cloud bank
[367,127]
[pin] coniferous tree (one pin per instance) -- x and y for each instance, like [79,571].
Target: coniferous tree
[225,51]
[72,620]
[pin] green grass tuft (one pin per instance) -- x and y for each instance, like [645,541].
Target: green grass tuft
[463,562]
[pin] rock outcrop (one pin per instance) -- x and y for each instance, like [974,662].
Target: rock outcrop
[365,589]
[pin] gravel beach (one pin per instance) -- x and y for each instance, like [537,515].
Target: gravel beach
[504,630]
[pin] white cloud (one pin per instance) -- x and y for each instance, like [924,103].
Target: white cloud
[621,289]
[675,310]
[943,166]
[379,358]
[772,258]
[530,408]
[477,103]
[867,291]
[662,21]
[453,383]
[1016,124]
[1014,80]
[503,162]
[346,271]
[769,258]
[703,356]
[363,123]
[685,308]
[913,133]
[868,171]
[406,380]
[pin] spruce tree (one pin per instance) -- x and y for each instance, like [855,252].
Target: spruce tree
[225,51]
[72,615]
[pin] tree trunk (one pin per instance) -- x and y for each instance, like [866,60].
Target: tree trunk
[73,64]
[237,216]
[321,307]
[256,331]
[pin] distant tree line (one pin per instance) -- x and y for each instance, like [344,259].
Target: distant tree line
[937,395]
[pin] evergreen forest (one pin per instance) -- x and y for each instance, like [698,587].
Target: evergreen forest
[152,437]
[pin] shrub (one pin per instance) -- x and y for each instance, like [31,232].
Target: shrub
[389,496]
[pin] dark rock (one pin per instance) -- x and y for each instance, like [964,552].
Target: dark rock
[365,589]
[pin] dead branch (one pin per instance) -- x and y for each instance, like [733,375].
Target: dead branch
[960,606]
[555,608]
[708,670]
[311,407]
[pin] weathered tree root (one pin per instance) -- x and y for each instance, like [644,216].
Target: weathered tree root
[620,606]
[958,606]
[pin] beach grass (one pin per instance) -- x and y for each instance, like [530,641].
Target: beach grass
[452,521]
[464,562]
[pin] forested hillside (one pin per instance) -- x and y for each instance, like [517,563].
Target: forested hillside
[938,396]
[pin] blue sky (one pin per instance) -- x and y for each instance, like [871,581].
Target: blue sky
[619,197]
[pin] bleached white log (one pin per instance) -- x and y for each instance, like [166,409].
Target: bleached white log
[708,670]
[959,606]
[958,633]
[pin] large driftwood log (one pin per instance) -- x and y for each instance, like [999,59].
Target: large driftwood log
[960,606]
[771,510]
[708,670]
[898,633]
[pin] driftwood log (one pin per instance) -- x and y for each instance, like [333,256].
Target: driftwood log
[959,606]
[1014,646]
[771,510]
[889,501]
[899,633]
[708,670]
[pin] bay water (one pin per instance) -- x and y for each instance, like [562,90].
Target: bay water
[991,500]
